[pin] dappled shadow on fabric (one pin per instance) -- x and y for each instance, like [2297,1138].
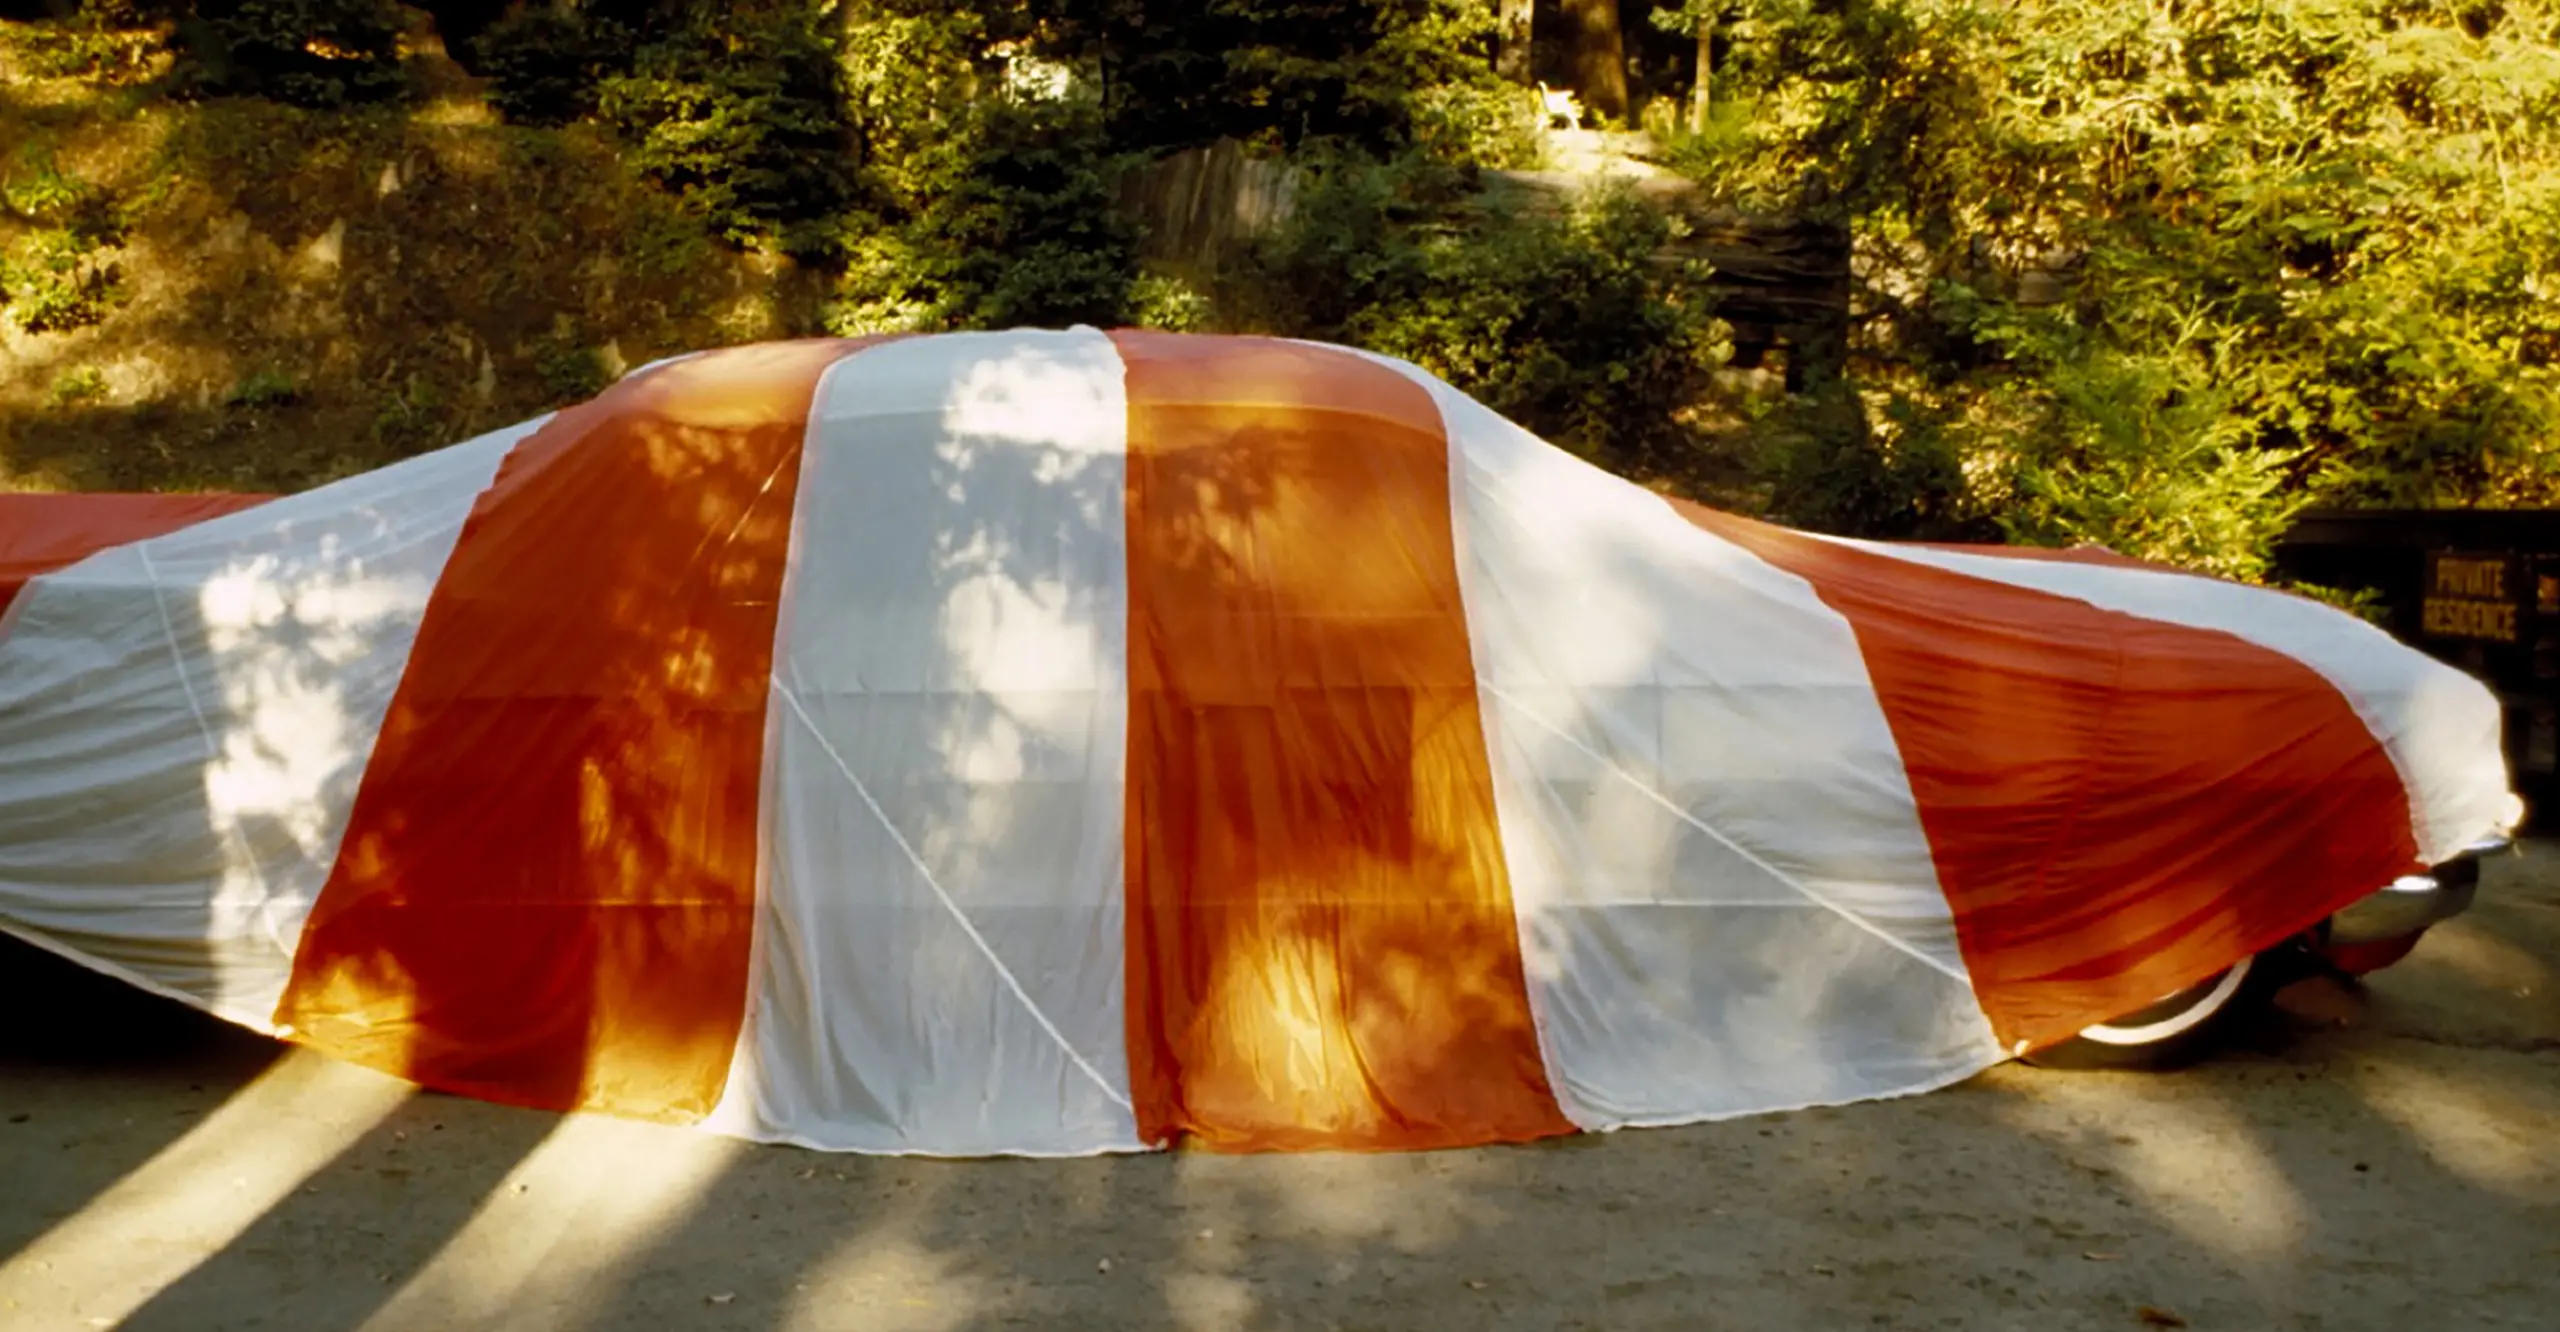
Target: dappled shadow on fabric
[546,891]
[1322,945]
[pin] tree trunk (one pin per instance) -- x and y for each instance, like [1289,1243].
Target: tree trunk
[1511,48]
[1702,97]
[1599,57]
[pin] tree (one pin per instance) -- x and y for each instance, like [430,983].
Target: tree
[1597,56]
[2155,275]
[1512,42]
[1702,93]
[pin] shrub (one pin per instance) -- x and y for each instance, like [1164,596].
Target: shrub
[1482,123]
[743,111]
[52,282]
[104,41]
[1164,301]
[309,53]
[1901,475]
[1285,72]
[263,389]
[1567,324]
[1011,221]
[2144,453]
[85,384]
[62,275]
[569,370]
[411,418]
[546,62]
[1019,225]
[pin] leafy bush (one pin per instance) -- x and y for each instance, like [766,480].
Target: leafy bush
[62,275]
[1481,122]
[546,62]
[309,53]
[881,289]
[1011,222]
[570,371]
[411,419]
[2144,454]
[83,384]
[104,41]
[743,111]
[1020,225]
[2160,283]
[262,390]
[52,282]
[1285,72]
[1568,324]
[1896,474]
[1166,302]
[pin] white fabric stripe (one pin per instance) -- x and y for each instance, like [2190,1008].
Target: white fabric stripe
[1727,905]
[1512,709]
[2441,728]
[940,950]
[183,723]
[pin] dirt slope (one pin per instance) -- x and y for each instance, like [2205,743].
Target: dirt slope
[303,296]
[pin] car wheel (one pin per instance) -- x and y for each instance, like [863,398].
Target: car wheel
[2178,1030]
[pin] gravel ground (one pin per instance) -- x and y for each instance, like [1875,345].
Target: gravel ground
[2377,1159]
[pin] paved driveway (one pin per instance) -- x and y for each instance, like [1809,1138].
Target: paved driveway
[2383,1160]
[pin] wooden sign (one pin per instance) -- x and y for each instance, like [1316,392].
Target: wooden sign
[2470,596]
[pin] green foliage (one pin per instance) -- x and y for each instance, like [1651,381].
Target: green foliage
[52,283]
[263,390]
[545,62]
[2144,454]
[102,41]
[411,419]
[41,192]
[1896,471]
[309,53]
[889,139]
[570,371]
[1166,302]
[1481,122]
[742,109]
[879,291]
[2152,276]
[1020,226]
[61,274]
[1286,72]
[82,384]
[1568,325]
[2364,603]
[666,241]
[2159,278]
[1010,219]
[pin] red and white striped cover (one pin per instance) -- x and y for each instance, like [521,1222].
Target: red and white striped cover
[1060,742]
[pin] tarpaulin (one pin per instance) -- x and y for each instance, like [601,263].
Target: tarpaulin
[1055,742]
[42,532]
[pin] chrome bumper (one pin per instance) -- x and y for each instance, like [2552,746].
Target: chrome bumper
[2413,902]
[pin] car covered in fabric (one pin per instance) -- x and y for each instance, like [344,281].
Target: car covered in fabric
[1059,741]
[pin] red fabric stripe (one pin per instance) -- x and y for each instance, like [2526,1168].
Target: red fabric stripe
[2117,807]
[1322,950]
[547,887]
[40,533]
